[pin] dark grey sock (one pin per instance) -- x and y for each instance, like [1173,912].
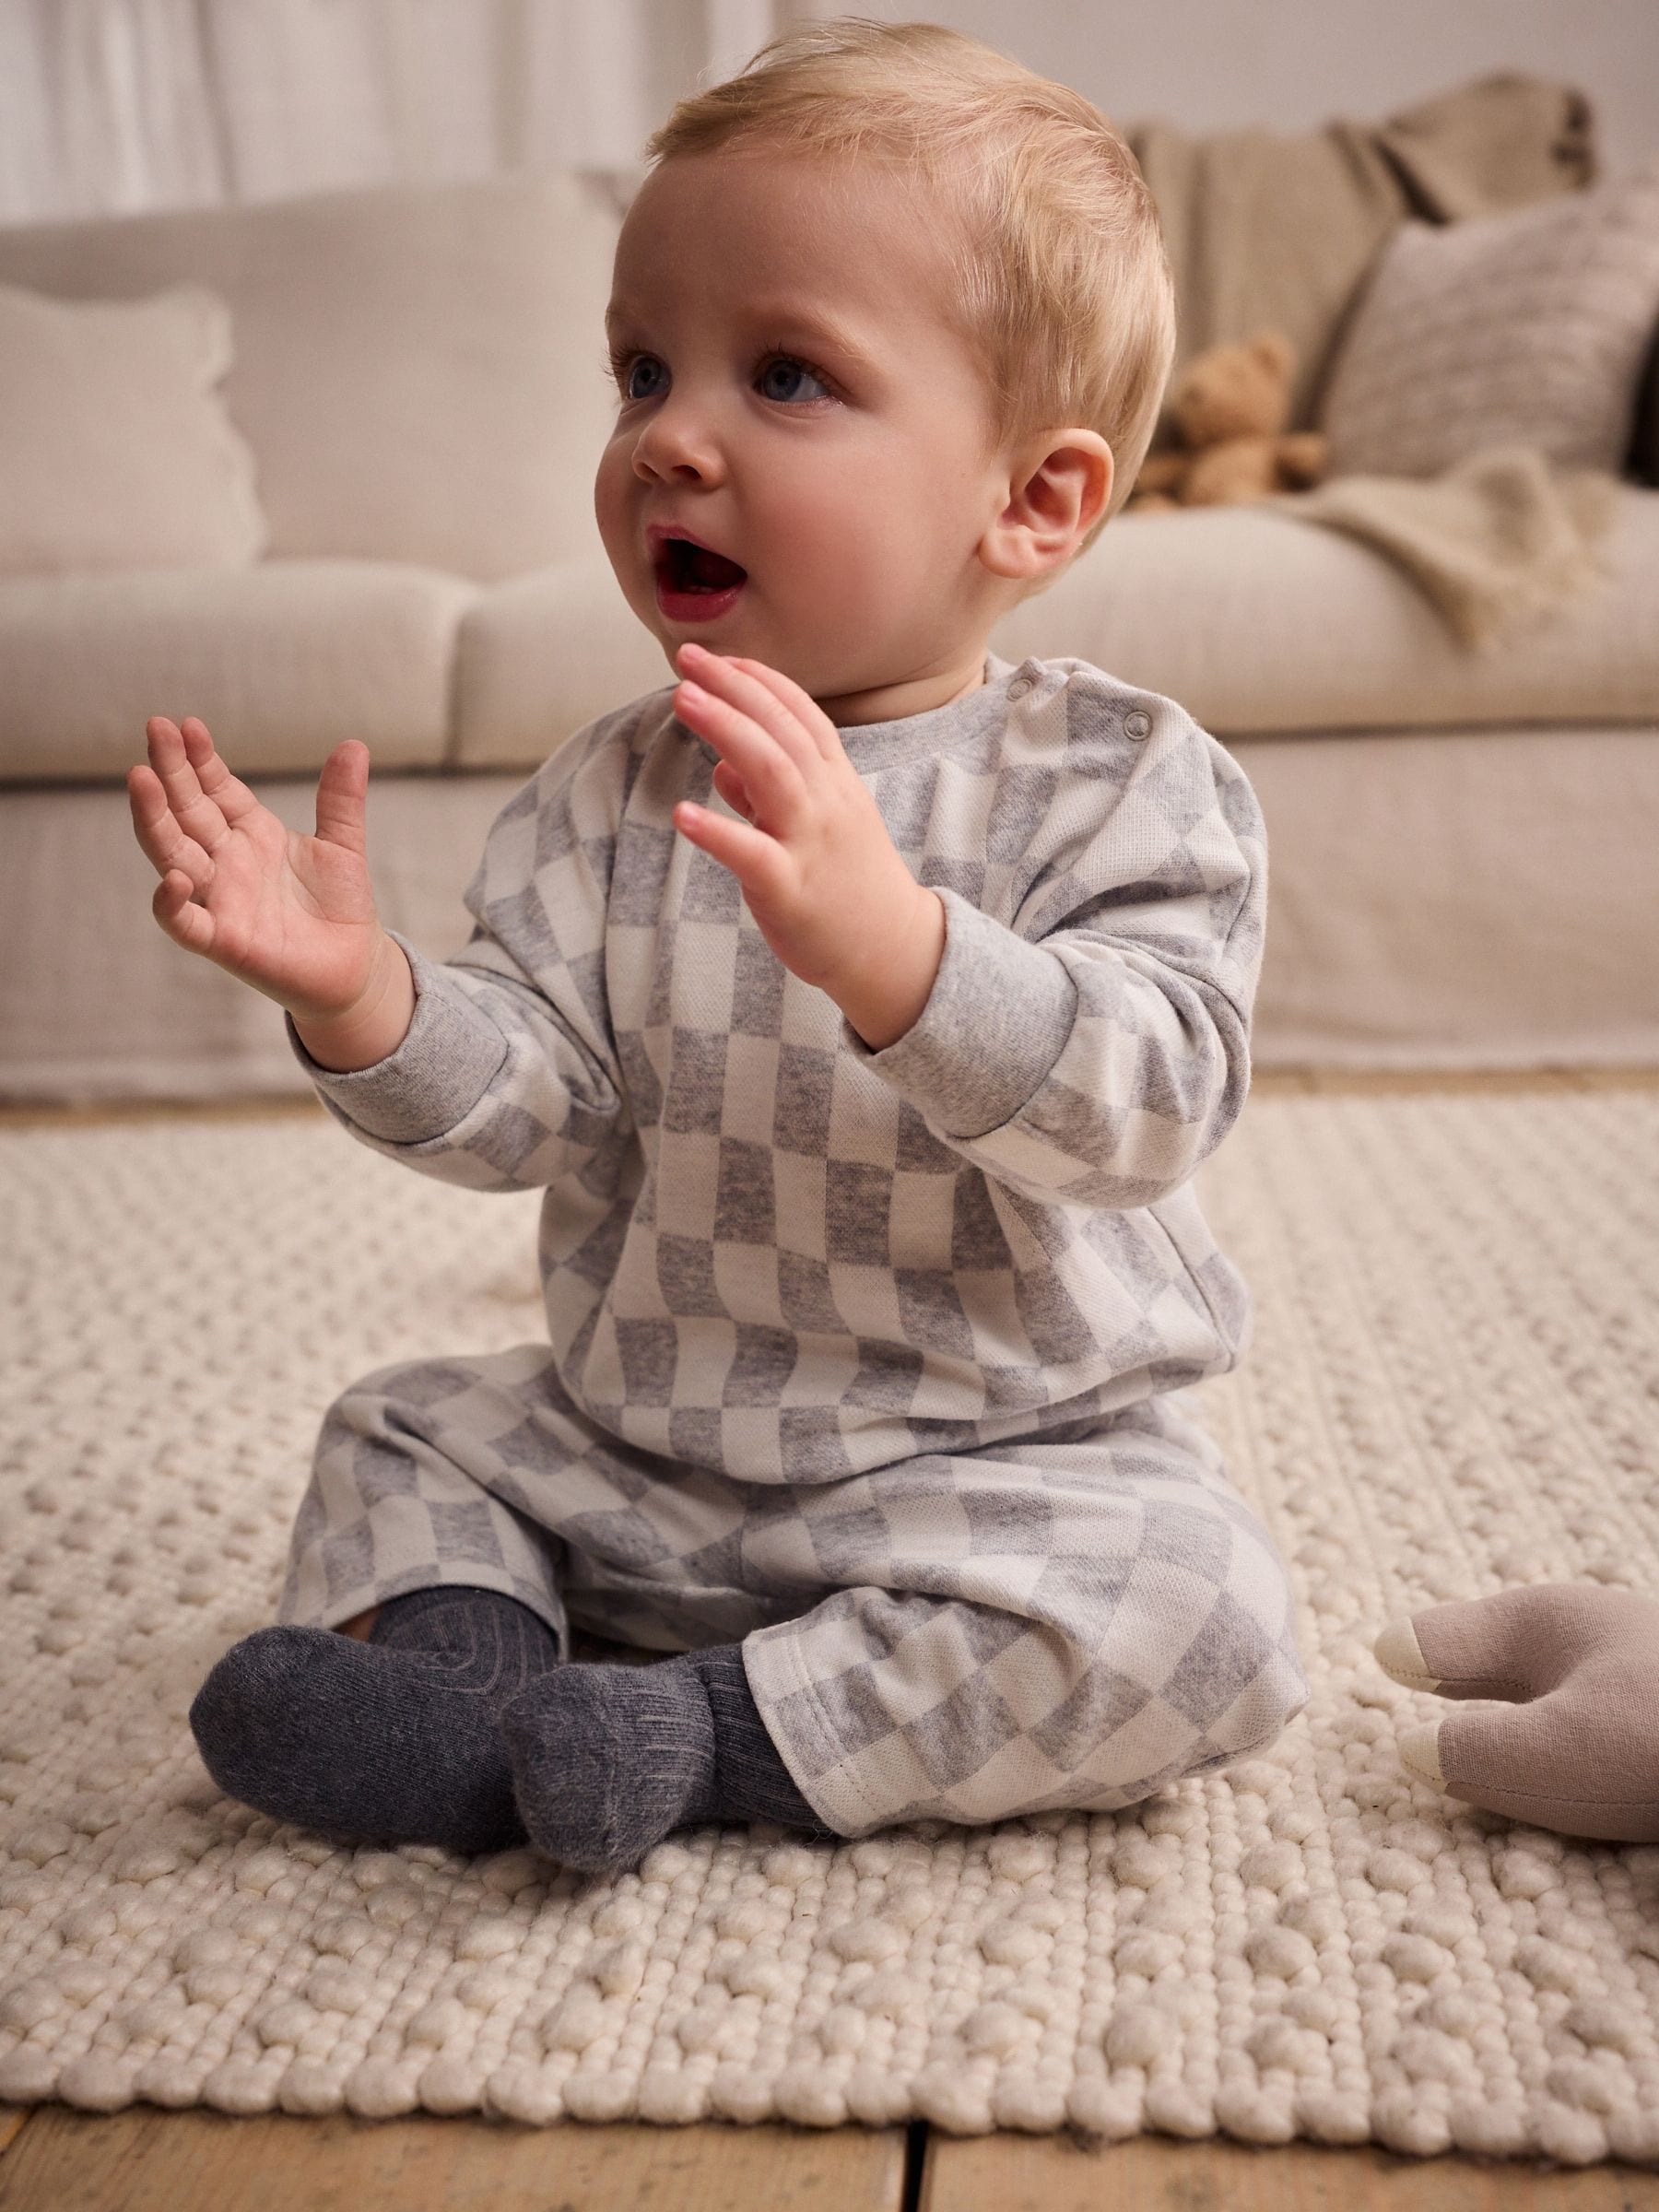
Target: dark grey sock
[607,1759]
[394,1740]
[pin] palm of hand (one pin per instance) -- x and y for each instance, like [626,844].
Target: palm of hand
[289,909]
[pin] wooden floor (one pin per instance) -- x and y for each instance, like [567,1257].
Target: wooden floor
[53,2158]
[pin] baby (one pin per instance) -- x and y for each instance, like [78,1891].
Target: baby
[862,1002]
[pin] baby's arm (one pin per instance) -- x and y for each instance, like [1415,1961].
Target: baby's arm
[507,1078]
[1097,1050]
[469,1071]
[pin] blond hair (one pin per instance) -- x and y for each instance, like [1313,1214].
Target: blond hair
[1059,283]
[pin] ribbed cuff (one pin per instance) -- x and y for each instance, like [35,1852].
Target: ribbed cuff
[995,1022]
[442,1069]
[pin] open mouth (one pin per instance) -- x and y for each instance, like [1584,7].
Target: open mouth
[694,585]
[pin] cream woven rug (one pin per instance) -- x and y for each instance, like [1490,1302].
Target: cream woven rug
[1454,1385]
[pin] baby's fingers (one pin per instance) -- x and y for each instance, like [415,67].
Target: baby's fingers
[184,922]
[165,844]
[198,815]
[758,862]
[733,790]
[227,792]
[342,792]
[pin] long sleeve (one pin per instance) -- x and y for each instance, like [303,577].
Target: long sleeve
[1093,1048]
[508,1079]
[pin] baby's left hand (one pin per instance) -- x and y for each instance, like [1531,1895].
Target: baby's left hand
[828,887]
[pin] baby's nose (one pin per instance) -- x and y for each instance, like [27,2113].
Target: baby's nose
[679,437]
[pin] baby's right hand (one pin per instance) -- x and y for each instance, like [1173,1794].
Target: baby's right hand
[293,915]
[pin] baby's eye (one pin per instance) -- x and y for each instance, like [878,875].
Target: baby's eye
[777,371]
[791,368]
[623,366]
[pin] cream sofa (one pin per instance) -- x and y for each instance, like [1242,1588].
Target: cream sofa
[1463,848]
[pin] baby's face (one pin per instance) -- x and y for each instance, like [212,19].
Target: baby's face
[847,470]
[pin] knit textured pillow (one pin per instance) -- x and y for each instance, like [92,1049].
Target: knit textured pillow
[1527,328]
[115,448]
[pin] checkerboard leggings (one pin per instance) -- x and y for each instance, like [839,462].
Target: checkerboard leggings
[1069,1621]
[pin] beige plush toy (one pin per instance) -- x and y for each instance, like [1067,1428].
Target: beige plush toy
[1576,1744]
[1230,407]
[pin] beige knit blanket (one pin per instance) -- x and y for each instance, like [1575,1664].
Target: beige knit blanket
[1498,540]
[1453,1387]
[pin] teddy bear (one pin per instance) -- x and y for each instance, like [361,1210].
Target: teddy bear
[1230,406]
[1575,1745]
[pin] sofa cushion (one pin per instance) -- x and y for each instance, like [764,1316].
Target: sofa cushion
[115,448]
[419,368]
[281,661]
[1256,620]
[543,654]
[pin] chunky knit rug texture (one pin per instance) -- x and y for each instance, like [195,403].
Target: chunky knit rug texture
[1453,1387]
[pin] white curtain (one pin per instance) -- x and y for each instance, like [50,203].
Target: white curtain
[110,107]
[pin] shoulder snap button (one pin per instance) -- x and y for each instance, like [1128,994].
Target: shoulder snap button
[1018,688]
[1138,722]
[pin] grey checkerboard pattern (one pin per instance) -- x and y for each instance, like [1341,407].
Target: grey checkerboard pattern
[871,1359]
